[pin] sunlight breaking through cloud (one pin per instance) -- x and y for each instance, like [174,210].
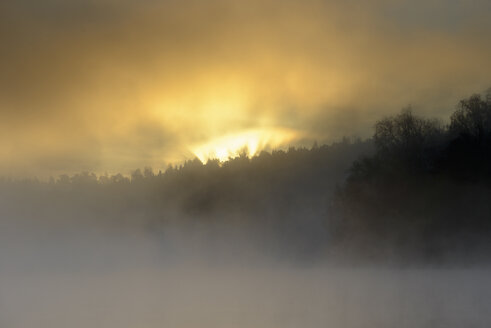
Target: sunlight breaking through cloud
[251,141]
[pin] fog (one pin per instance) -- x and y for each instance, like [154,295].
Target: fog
[81,268]
[392,231]
[192,297]
[99,279]
[109,85]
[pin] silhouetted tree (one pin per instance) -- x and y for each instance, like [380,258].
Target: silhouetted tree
[424,190]
[472,119]
[408,140]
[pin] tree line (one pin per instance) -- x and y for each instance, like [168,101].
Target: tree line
[418,188]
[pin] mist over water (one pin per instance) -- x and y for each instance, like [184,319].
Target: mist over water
[56,276]
[245,164]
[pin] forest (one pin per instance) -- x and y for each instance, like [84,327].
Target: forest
[417,190]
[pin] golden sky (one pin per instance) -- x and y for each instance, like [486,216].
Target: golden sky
[116,85]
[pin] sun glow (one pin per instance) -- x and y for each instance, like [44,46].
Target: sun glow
[249,141]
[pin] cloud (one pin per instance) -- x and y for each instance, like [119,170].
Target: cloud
[80,78]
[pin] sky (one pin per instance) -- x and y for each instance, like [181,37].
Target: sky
[111,86]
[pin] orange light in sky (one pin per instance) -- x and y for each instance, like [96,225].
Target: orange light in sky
[251,141]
